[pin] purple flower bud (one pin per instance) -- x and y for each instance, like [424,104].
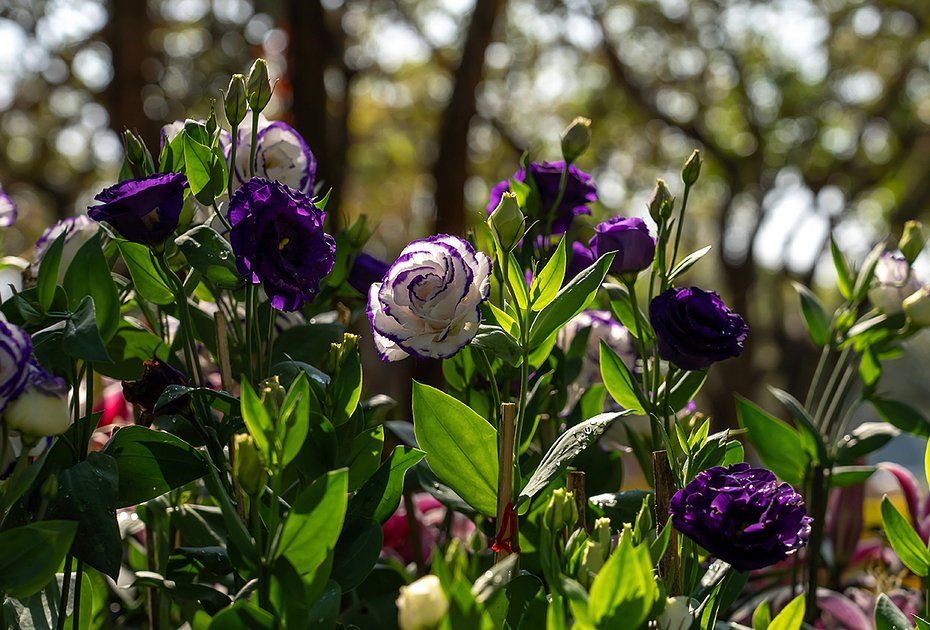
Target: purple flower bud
[7,210]
[15,350]
[278,238]
[429,303]
[695,328]
[366,270]
[631,240]
[579,191]
[143,210]
[741,515]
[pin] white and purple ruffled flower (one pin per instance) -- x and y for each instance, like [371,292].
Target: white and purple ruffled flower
[894,280]
[428,303]
[7,210]
[281,154]
[77,230]
[15,350]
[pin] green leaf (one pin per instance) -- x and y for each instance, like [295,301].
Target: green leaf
[791,616]
[815,316]
[864,439]
[146,279]
[295,415]
[623,310]
[569,445]
[497,341]
[813,441]
[152,463]
[843,278]
[864,279]
[547,282]
[357,552]
[619,381]
[460,446]
[902,415]
[364,456]
[888,616]
[345,390]
[870,367]
[314,522]
[129,348]
[48,272]
[378,497]
[81,338]
[843,476]
[211,255]
[258,422]
[922,624]
[199,168]
[31,555]
[904,540]
[762,617]
[89,274]
[778,445]
[573,298]
[624,590]
[517,283]
[243,615]
[688,261]
[684,390]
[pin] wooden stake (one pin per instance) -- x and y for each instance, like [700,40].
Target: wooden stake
[575,485]
[505,473]
[665,488]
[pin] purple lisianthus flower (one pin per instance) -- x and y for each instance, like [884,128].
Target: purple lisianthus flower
[7,210]
[366,270]
[15,350]
[579,191]
[428,304]
[695,328]
[630,239]
[580,259]
[741,515]
[278,238]
[143,210]
[281,154]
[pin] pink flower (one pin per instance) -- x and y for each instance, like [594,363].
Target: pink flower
[430,515]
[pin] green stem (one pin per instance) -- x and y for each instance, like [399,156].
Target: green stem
[252,145]
[818,509]
[681,222]
[827,393]
[495,392]
[232,161]
[65,591]
[78,579]
[818,375]
[269,338]
[263,584]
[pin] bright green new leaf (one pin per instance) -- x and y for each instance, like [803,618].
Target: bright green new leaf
[48,272]
[779,446]
[619,381]
[547,282]
[30,555]
[624,590]
[791,616]
[904,540]
[146,279]
[815,316]
[258,421]
[888,616]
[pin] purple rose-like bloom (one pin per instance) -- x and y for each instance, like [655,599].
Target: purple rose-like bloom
[15,350]
[7,210]
[143,210]
[631,240]
[366,270]
[278,238]
[741,515]
[579,191]
[695,328]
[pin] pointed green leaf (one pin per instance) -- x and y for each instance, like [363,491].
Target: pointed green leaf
[548,282]
[904,540]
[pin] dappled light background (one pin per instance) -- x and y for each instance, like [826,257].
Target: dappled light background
[812,116]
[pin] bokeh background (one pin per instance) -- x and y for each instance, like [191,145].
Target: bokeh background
[812,117]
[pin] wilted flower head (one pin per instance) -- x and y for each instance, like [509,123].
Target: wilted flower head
[145,392]
[741,515]
[281,154]
[894,280]
[630,239]
[278,238]
[695,328]
[7,210]
[15,350]
[579,191]
[428,304]
[77,230]
[42,408]
[143,210]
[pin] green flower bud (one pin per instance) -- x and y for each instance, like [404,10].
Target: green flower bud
[49,489]
[258,86]
[248,468]
[561,511]
[235,101]
[912,241]
[692,168]
[272,394]
[135,149]
[660,206]
[422,605]
[917,307]
[211,119]
[677,614]
[601,534]
[507,223]
[592,561]
[576,138]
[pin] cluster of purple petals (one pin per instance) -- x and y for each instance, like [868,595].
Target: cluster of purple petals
[742,515]
[695,328]
[145,210]
[278,238]
[579,191]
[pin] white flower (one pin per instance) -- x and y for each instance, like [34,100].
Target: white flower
[603,327]
[11,276]
[42,408]
[677,614]
[894,280]
[15,349]
[281,154]
[428,304]
[77,230]
[421,605]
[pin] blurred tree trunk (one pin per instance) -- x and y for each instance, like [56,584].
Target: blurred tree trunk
[319,116]
[451,168]
[128,34]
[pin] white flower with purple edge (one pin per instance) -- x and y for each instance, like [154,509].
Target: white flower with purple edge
[281,154]
[41,409]
[7,210]
[77,230]
[15,350]
[428,305]
[894,280]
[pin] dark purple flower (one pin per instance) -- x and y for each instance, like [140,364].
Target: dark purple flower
[15,350]
[631,240]
[278,238]
[366,270]
[580,259]
[579,191]
[741,515]
[143,210]
[7,210]
[695,328]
